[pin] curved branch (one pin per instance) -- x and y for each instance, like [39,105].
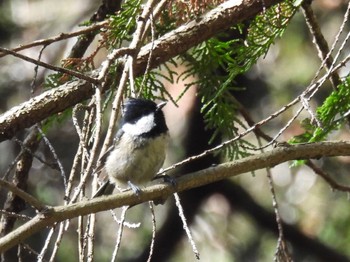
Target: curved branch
[49,66]
[170,45]
[161,191]
[42,106]
[60,37]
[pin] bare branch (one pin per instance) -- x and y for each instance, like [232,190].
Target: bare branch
[42,106]
[53,39]
[48,66]
[24,195]
[186,227]
[333,184]
[186,182]
[320,42]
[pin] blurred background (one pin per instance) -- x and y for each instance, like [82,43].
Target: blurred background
[231,220]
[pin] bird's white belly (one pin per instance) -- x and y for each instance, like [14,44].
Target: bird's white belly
[140,161]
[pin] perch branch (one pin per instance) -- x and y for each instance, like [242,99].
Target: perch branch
[196,179]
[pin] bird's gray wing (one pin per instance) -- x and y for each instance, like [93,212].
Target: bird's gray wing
[106,189]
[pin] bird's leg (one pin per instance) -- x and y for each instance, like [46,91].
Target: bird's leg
[134,188]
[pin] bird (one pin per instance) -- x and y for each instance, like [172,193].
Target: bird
[139,147]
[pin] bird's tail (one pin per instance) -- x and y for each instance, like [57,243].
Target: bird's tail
[106,189]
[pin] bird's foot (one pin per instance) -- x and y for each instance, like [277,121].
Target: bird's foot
[167,179]
[134,188]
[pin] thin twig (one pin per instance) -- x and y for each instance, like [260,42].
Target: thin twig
[149,57]
[126,224]
[336,40]
[82,151]
[51,67]
[15,215]
[81,241]
[85,240]
[45,247]
[154,228]
[185,226]
[306,105]
[111,58]
[88,161]
[120,233]
[62,36]
[36,156]
[96,137]
[341,29]
[90,237]
[36,68]
[31,250]
[130,65]
[24,195]
[61,230]
[53,152]
[333,184]
[282,248]
[150,24]
[90,227]
[19,254]
[320,41]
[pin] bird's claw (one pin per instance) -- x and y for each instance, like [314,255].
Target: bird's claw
[167,179]
[134,188]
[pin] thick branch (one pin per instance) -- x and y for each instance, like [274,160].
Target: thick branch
[195,32]
[170,45]
[186,182]
[42,106]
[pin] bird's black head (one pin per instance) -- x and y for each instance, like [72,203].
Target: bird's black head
[143,117]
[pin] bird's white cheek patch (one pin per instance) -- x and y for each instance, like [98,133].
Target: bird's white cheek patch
[143,125]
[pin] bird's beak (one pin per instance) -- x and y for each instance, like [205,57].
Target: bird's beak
[161,105]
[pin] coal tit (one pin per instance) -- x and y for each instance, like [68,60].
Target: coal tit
[138,151]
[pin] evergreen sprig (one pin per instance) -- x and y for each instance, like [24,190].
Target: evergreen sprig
[332,114]
[151,85]
[123,24]
[231,58]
